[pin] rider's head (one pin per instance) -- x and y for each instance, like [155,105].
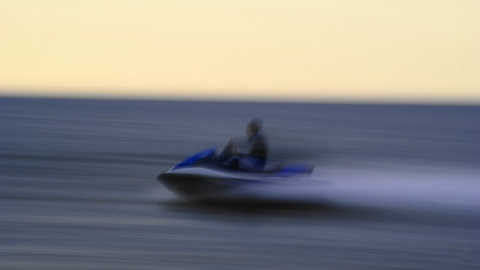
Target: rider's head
[254,126]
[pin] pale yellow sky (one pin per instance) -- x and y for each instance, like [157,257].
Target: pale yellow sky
[354,49]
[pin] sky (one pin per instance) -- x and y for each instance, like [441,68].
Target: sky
[253,49]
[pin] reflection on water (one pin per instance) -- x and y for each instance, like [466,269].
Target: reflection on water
[394,187]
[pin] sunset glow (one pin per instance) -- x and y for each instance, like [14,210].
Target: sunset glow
[367,49]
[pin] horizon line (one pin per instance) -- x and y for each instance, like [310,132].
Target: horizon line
[240,99]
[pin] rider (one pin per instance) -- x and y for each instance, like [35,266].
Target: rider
[255,157]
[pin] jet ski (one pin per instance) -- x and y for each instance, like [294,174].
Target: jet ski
[200,178]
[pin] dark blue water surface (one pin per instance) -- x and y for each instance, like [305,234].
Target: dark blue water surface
[78,188]
[151,129]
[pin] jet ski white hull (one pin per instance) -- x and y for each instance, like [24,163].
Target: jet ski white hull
[197,179]
[201,183]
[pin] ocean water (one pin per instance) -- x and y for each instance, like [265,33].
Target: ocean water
[395,187]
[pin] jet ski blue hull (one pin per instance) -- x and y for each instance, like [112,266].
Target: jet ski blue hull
[195,179]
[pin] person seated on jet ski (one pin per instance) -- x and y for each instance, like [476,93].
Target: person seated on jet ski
[255,158]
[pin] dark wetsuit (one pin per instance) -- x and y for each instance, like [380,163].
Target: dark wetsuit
[254,159]
[258,150]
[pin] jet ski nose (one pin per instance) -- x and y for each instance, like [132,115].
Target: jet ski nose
[168,176]
[162,176]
